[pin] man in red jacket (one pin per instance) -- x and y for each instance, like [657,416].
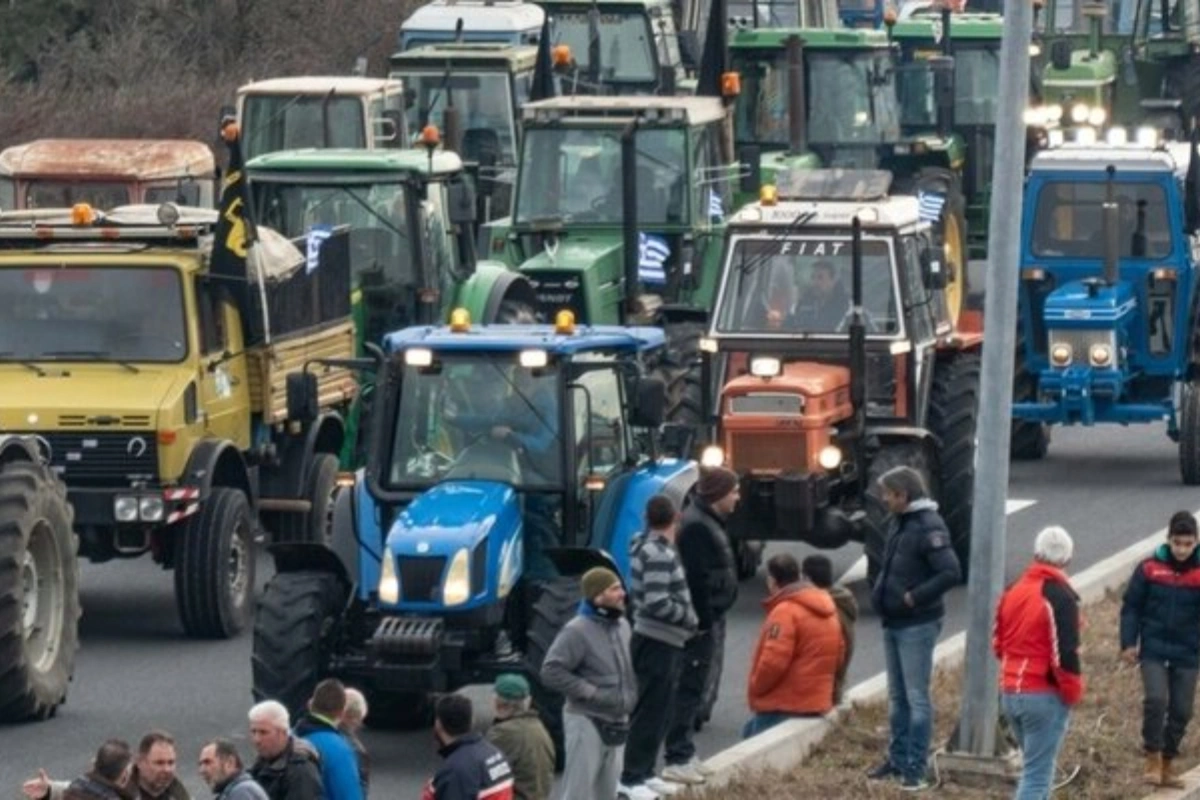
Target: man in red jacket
[1037,641]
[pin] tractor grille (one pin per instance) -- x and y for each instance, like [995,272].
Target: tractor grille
[421,577]
[103,459]
[556,291]
[762,451]
[1081,341]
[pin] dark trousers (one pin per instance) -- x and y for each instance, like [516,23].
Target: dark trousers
[657,666]
[1167,705]
[712,687]
[689,698]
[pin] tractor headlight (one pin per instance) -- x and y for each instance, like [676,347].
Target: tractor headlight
[1100,355]
[1097,116]
[389,584]
[708,344]
[830,457]
[151,509]
[457,589]
[765,367]
[125,508]
[712,456]
[1079,113]
[1060,354]
[1054,113]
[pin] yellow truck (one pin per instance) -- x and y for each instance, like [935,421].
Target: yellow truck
[160,388]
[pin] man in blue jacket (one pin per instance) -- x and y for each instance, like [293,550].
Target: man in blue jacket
[319,727]
[1160,627]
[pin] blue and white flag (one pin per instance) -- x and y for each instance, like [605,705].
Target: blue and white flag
[653,252]
[317,235]
[930,205]
[716,208]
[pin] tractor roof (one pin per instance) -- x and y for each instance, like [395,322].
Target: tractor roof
[1171,157]
[814,38]
[315,159]
[831,197]
[1086,71]
[96,159]
[319,84]
[690,110]
[466,55]
[514,338]
[476,15]
[928,27]
[559,6]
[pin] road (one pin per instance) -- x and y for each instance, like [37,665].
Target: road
[1107,486]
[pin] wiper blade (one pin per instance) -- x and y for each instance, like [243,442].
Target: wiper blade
[749,266]
[8,354]
[96,354]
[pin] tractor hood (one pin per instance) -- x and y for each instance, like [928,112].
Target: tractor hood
[808,378]
[558,278]
[86,395]
[1090,304]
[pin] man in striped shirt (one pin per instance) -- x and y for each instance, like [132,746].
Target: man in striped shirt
[663,621]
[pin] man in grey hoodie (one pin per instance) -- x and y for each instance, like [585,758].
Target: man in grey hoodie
[590,665]
[222,769]
[663,621]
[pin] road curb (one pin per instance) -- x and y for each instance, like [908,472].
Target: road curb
[1190,790]
[783,747]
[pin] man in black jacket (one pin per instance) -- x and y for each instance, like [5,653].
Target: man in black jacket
[919,566]
[472,767]
[711,573]
[288,768]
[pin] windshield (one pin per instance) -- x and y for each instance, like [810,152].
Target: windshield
[274,122]
[8,194]
[91,314]
[801,285]
[1068,217]
[626,45]
[476,417]
[64,194]
[485,111]
[574,174]
[976,85]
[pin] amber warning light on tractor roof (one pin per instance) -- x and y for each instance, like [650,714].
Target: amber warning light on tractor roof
[460,320]
[564,322]
[560,55]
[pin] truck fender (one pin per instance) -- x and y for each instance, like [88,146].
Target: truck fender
[895,434]
[508,285]
[216,462]
[289,476]
[18,448]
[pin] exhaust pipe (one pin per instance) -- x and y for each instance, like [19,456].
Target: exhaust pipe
[797,135]
[858,353]
[1112,229]
[629,222]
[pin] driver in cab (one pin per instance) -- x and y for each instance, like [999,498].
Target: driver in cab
[824,303]
[526,419]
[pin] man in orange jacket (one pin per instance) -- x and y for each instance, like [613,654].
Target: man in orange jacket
[800,648]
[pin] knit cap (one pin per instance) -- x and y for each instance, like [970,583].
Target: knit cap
[715,483]
[597,580]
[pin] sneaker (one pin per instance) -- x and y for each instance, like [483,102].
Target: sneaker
[884,772]
[662,788]
[639,792]
[914,783]
[701,767]
[682,773]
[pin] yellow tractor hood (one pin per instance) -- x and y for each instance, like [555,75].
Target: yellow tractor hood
[86,396]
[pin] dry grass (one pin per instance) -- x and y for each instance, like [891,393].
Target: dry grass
[1104,738]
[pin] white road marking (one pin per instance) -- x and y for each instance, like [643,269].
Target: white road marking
[858,570]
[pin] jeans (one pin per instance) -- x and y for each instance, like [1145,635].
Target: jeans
[689,699]
[765,720]
[909,656]
[1167,705]
[657,667]
[592,767]
[713,685]
[1039,722]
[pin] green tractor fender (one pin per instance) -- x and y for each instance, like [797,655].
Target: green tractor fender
[495,293]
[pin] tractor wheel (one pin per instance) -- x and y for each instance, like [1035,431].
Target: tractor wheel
[293,629]
[313,526]
[1029,441]
[554,607]
[516,312]
[39,592]
[214,567]
[952,229]
[1189,433]
[680,370]
[953,418]
[748,557]
[902,454]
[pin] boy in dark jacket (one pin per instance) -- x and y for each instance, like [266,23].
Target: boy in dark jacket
[1160,627]
[472,768]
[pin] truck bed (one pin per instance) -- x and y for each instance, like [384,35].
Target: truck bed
[269,365]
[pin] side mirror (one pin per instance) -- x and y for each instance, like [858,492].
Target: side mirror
[393,124]
[1060,54]
[461,203]
[227,112]
[689,50]
[750,160]
[303,399]
[933,273]
[651,407]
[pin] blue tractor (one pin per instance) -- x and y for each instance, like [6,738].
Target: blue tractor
[504,461]
[1108,301]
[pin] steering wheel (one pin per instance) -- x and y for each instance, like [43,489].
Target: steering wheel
[868,322]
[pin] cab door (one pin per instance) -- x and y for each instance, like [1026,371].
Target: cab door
[223,384]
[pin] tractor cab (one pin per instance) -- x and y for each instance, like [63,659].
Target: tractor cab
[511,22]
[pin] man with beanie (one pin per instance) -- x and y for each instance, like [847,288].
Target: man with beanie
[712,582]
[519,734]
[589,664]
[1160,628]
[1036,639]
[918,567]
[663,621]
[818,570]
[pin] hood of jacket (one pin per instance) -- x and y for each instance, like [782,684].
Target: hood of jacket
[1163,553]
[843,600]
[816,601]
[924,504]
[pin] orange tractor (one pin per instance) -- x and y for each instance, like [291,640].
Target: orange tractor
[835,357]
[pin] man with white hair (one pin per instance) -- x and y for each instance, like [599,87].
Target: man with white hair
[352,721]
[287,767]
[1036,639]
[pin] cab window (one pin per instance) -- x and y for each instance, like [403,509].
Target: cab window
[599,427]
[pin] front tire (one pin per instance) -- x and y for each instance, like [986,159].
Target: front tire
[953,418]
[314,526]
[902,454]
[1189,433]
[1029,441]
[555,606]
[214,567]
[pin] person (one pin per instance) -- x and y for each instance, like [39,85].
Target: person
[286,767]
[352,722]
[472,768]
[517,732]
[918,567]
[153,776]
[818,570]
[110,778]
[712,582]
[319,727]
[222,770]
[663,621]
[1036,638]
[589,664]
[824,305]
[799,650]
[1160,629]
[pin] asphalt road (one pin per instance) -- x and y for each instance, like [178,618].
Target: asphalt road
[1108,486]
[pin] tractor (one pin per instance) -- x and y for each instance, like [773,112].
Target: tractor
[511,22]
[505,462]
[1108,294]
[835,357]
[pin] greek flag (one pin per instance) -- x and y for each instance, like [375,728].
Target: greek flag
[653,252]
[930,205]
[317,235]
[716,209]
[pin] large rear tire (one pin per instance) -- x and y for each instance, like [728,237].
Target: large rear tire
[214,567]
[314,526]
[39,592]
[1189,433]
[1028,441]
[554,607]
[293,631]
[679,369]
[899,454]
[953,418]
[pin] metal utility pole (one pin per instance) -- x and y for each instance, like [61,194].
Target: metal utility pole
[980,711]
